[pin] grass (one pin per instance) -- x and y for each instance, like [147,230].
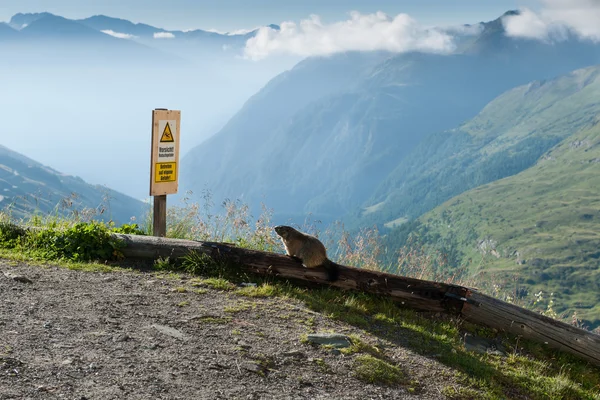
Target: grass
[214,283]
[239,307]
[529,370]
[373,370]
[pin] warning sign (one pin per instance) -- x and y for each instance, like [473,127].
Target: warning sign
[167,135]
[165,172]
[165,152]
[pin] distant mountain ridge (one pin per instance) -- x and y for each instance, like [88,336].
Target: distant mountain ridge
[127,29]
[122,42]
[28,187]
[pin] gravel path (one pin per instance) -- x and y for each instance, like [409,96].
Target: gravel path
[134,335]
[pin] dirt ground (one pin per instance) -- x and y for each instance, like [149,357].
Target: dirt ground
[138,335]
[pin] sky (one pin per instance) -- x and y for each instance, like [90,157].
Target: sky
[229,15]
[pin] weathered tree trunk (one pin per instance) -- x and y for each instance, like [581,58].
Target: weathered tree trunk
[486,310]
[414,293]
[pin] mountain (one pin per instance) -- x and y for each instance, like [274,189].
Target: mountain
[197,44]
[55,27]
[6,32]
[332,153]
[194,45]
[53,40]
[103,22]
[27,187]
[21,20]
[238,159]
[541,225]
[507,137]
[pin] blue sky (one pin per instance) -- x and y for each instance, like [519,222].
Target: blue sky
[229,15]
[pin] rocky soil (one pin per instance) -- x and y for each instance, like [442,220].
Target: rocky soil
[68,334]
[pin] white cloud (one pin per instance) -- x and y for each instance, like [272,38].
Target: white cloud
[210,30]
[242,31]
[118,34]
[164,35]
[555,19]
[234,32]
[362,32]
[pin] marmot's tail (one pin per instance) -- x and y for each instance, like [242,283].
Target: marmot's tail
[333,270]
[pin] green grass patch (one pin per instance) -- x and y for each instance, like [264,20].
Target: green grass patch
[373,370]
[263,290]
[239,307]
[360,346]
[64,240]
[214,283]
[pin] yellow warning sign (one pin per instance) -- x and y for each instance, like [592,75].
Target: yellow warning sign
[164,153]
[167,136]
[165,172]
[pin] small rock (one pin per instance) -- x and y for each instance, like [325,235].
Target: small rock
[68,361]
[252,367]
[121,338]
[336,340]
[167,330]
[294,353]
[18,278]
[218,366]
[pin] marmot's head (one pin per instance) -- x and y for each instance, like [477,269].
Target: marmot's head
[284,231]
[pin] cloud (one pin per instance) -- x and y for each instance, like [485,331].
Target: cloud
[241,31]
[164,35]
[118,34]
[362,32]
[556,19]
[232,33]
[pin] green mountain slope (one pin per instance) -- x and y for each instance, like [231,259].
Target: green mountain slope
[508,136]
[541,226]
[27,187]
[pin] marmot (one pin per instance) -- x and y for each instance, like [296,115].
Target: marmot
[308,249]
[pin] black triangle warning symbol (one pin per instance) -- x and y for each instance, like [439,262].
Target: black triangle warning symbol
[167,136]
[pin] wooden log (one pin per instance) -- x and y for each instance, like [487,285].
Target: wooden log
[486,310]
[418,294]
[414,293]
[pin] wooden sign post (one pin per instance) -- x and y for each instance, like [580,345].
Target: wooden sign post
[164,164]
